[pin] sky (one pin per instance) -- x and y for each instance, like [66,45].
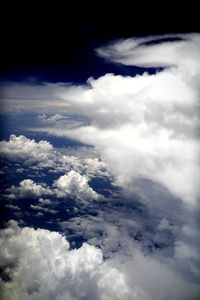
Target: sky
[99,153]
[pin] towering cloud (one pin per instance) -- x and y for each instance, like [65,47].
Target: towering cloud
[146,127]
[74,185]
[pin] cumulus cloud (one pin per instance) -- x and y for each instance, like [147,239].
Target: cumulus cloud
[61,273]
[43,155]
[28,187]
[20,147]
[74,185]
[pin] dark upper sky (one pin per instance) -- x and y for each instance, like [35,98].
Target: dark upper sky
[56,43]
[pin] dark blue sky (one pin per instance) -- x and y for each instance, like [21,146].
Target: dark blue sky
[57,43]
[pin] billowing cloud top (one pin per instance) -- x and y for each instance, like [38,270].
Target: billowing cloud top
[146,126]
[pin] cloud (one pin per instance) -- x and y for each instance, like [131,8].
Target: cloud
[74,185]
[138,134]
[15,207]
[45,201]
[43,155]
[20,147]
[27,97]
[52,119]
[154,51]
[57,120]
[28,187]
[61,273]
[43,209]
[145,126]
[161,227]
[146,130]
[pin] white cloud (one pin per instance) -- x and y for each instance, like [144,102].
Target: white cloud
[61,273]
[43,155]
[58,121]
[141,51]
[145,126]
[146,130]
[28,187]
[45,201]
[74,185]
[20,147]
[43,209]
[88,166]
